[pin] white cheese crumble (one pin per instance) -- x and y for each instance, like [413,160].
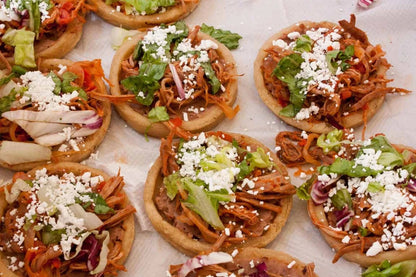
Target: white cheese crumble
[40,93]
[51,198]
[306,113]
[292,263]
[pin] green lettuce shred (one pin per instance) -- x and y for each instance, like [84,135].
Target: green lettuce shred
[386,269]
[23,42]
[149,6]
[303,191]
[303,44]
[286,70]
[330,141]
[200,202]
[389,158]
[337,59]
[341,198]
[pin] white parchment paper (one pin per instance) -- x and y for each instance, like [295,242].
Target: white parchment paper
[391,23]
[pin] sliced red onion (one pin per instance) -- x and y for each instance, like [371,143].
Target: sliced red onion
[343,216]
[81,117]
[365,3]
[261,271]
[203,260]
[95,125]
[318,194]
[334,122]
[37,129]
[15,152]
[90,252]
[59,138]
[411,185]
[177,81]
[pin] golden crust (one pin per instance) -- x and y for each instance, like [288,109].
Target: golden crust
[191,247]
[351,120]
[48,49]
[116,18]
[394,256]
[77,169]
[90,143]
[356,256]
[206,120]
[258,253]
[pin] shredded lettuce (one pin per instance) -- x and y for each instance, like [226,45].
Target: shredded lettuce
[341,198]
[24,51]
[200,202]
[330,141]
[229,39]
[212,78]
[100,205]
[259,159]
[303,44]
[158,114]
[303,192]
[149,6]
[171,183]
[386,269]
[50,236]
[119,35]
[375,187]
[389,158]
[6,101]
[411,168]
[286,70]
[337,59]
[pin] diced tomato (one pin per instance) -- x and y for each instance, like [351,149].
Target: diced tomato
[283,102]
[302,142]
[88,82]
[20,175]
[330,48]
[65,16]
[345,94]
[360,67]
[176,121]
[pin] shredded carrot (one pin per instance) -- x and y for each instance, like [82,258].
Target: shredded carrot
[228,111]
[305,152]
[118,217]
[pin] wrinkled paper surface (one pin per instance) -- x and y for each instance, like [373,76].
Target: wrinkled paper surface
[389,23]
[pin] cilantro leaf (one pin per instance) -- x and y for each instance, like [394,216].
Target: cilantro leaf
[229,39]
[338,58]
[286,70]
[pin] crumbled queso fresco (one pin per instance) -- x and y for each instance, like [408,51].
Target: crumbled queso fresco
[394,202]
[187,60]
[10,13]
[51,193]
[315,67]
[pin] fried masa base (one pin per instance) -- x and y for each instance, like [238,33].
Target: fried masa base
[353,119]
[356,256]
[172,14]
[190,246]
[49,49]
[77,169]
[89,144]
[206,120]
